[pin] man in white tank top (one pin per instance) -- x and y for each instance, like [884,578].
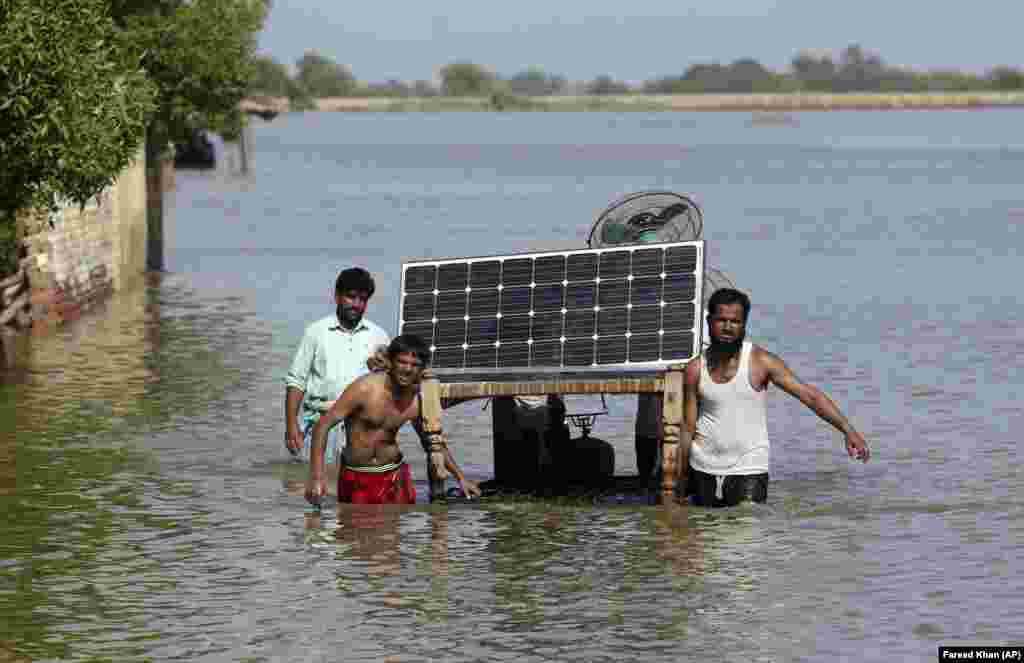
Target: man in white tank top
[724,409]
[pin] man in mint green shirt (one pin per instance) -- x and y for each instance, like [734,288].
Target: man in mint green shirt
[333,352]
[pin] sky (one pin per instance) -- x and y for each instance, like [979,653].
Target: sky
[636,40]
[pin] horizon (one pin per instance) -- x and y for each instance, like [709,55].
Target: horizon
[377,47]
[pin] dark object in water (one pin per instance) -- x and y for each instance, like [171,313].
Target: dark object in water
[197,153]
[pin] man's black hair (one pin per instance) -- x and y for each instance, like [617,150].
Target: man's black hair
[352,279]
[410,343]
[727,296]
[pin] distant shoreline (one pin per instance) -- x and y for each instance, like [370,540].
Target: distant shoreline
[763,103]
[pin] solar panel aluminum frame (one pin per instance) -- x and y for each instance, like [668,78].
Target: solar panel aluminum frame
[535,372]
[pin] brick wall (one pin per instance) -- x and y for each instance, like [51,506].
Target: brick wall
[79,255]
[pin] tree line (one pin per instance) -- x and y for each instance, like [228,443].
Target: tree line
[852,70]
[85,83]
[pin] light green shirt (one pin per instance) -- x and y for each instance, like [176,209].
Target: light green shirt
[330,358]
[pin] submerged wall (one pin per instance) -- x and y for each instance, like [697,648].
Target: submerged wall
[78,255]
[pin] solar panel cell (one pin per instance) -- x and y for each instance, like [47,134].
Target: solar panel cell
[581,295]
[676,345]
[581,267]
[644,347]
[418,307]
[548,297]
[579,323]
[645,320]
[613,293]
[451,305]
[482,356]
[483,302]
[612,321]
[452,330]
[680,288]
[546,353]
[680,259]
[485,274]
[677,317]
[421,279]
[546,326]
[453,276]
[483,330]
[511,355]
[645,291]
[614,265]
[549,269]
[515,301]
[579,352]
[515,328]
[611,350]
[647,262]
[517,271]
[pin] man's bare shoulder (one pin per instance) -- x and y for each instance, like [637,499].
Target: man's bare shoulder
[369,383]
[692,370]
[764,357]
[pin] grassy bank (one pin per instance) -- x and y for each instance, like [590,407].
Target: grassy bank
[658,103]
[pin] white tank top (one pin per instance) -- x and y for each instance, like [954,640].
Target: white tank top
[733,423]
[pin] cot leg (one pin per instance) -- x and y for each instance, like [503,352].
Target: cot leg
[430,398]
[672,423]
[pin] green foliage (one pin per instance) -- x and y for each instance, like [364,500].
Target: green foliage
[73,103]
[1005,78]
[535,82]
[607,85]
[8,245]
[199,53]
[320,76]
[466,79]
[271,78]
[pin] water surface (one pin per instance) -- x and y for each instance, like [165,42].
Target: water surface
[150,513]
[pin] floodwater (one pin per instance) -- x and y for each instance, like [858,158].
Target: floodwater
[150,513]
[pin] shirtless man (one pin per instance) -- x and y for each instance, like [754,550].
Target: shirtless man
[374,408]
[726,387]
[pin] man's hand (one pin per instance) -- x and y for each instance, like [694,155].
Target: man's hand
[316,489]
[378,361]
[293,439]
[470,489]
[856,447]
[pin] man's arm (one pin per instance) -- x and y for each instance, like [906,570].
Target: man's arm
[342,409]
[817,401]
[469,488]
[691,381]
[292,435]
[295,390]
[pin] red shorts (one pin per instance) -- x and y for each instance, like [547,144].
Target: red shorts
[391,487]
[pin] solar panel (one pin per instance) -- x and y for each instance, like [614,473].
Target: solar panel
[624,306]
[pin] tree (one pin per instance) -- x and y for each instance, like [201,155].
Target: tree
[200,55]
[320,76]
[73,106]
[466,79]
[271,78]
[534,82]
[605,84]
[815,73]
[1006,78]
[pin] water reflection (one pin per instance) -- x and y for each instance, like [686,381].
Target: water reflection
[74,489]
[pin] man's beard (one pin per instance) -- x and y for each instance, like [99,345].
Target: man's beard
[348,316]
[722,349]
